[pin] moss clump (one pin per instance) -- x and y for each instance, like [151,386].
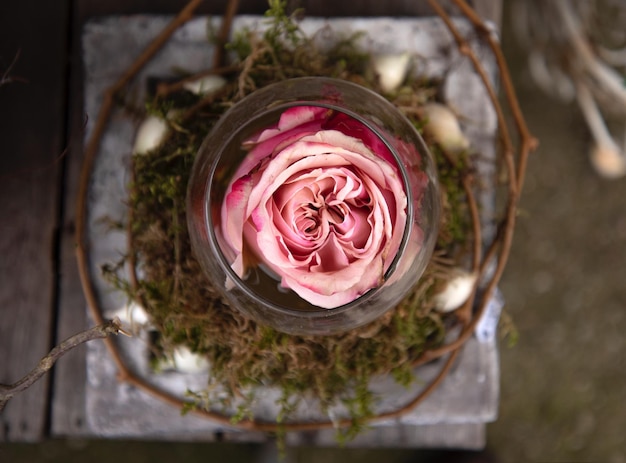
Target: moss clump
[187,310]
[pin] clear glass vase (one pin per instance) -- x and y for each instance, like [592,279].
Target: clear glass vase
[313,206]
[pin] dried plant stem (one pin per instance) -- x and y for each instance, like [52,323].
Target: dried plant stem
[104,330]
[257,51]
[224,33]
[502,243]
[6,77]
[528,142]
[466,50]
[165,89]
[204,102]
[515,179]
[177,258]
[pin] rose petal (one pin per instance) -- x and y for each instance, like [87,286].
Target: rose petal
[233,212]
[331,257]
[336,288]
[354,128]
[291,118]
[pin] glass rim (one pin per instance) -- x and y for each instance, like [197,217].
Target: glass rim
[317,311]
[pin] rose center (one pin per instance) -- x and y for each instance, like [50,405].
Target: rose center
[316,214]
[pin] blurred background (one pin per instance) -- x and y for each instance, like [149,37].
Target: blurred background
[563,385]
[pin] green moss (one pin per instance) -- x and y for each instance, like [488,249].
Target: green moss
[456,217]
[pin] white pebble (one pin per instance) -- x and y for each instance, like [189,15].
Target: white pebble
[150,134]
[133,314]
[391,70]
[456,292]
[205,85]
[188,362]
[443,127]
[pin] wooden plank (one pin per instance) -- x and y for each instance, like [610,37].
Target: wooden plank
[31,127]
[68,399]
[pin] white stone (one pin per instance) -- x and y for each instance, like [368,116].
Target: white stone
[391,70]
[456,292]
[443,127]
[150,134]
[186,361]
[133,314]
[205,85]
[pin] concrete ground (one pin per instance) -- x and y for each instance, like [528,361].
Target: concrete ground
[564,383]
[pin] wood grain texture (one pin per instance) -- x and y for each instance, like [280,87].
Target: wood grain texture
[32,117]
[68,399]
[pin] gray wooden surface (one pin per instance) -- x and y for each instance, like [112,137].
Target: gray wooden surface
[31,147]
[463,403]
[40,295]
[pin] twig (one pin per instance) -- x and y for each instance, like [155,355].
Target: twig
[516,177]
[6,77]
[257,51]
[222,37]
[177,245]
[8,391]
[528,142]
[164,89]
[466,50]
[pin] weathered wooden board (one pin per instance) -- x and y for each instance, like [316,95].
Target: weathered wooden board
[32,126]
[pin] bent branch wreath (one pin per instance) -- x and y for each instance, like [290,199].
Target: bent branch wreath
[427,340]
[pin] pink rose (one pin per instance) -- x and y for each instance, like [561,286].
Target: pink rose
[319,202]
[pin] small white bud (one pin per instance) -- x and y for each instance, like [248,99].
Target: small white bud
[150,134]
[205,85]
[456,291]
[443,127]
[391,70]
[188,362]
[138,314]
[133,314]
